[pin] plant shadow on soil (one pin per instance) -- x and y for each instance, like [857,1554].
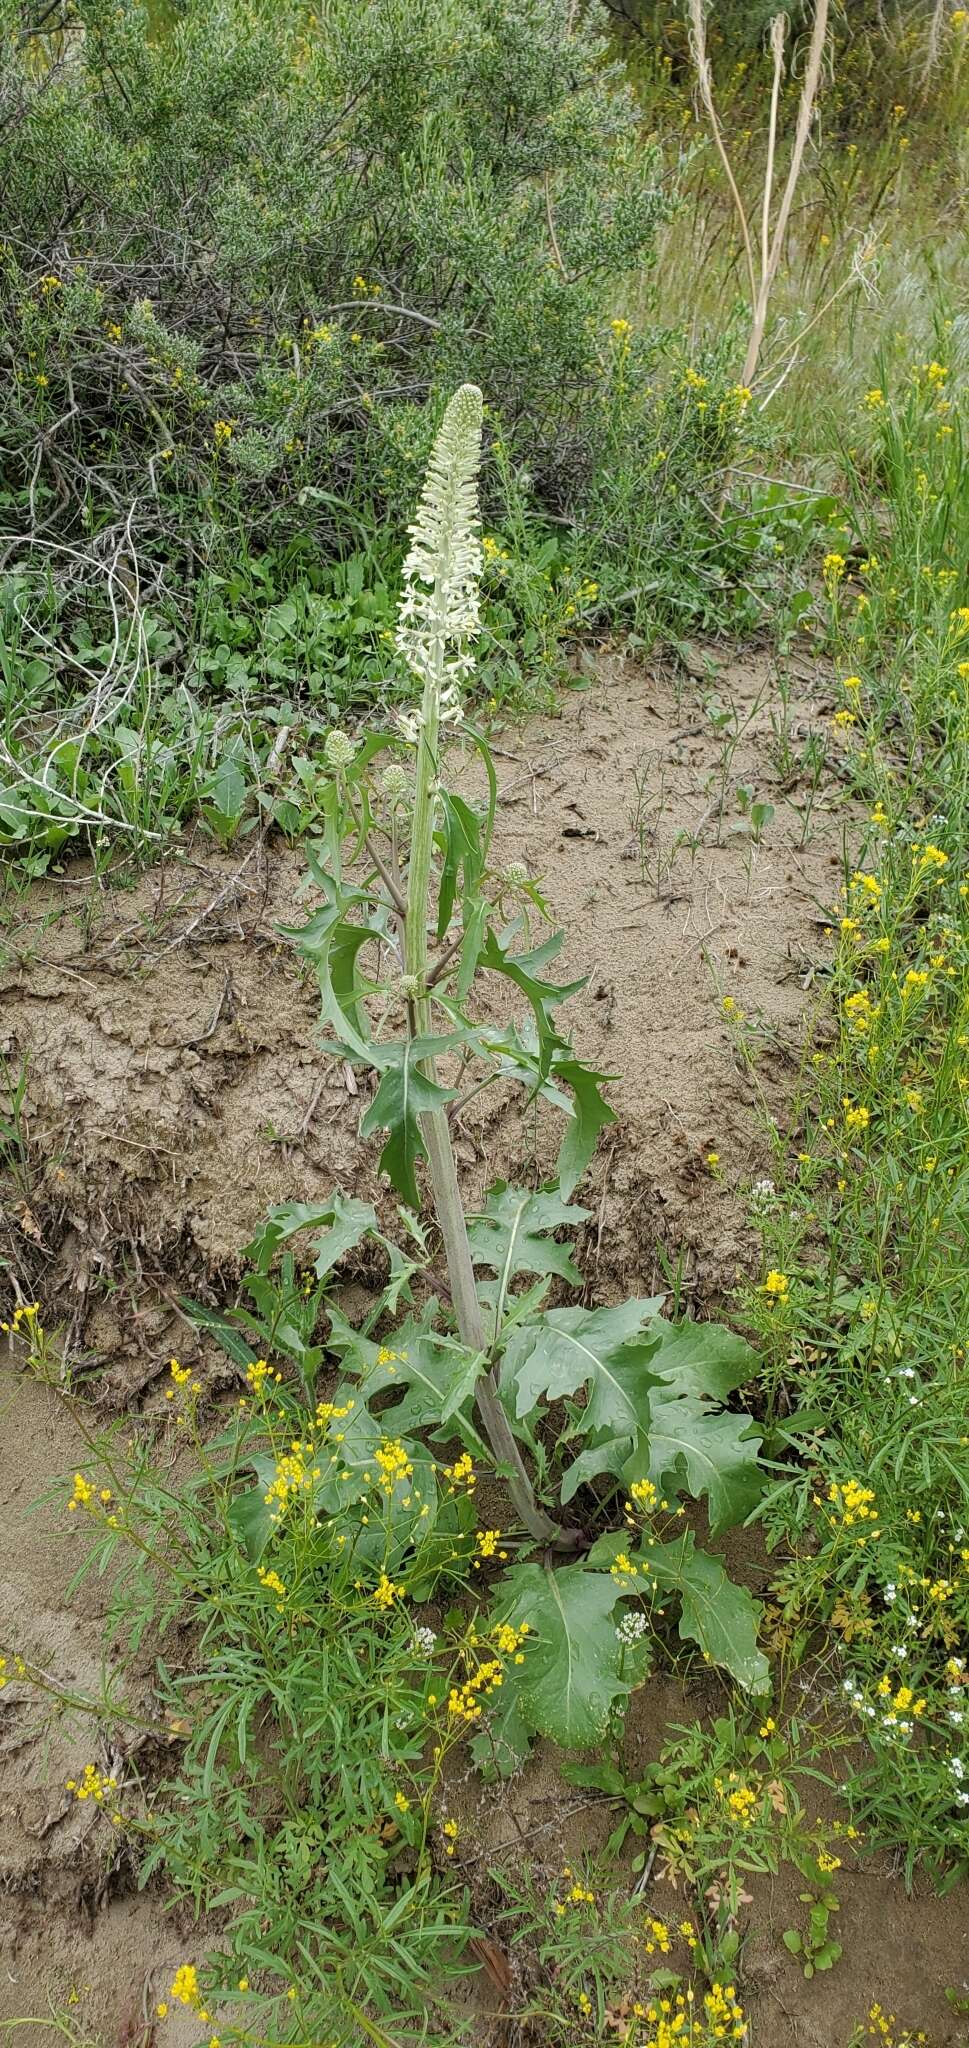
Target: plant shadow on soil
[176,1092]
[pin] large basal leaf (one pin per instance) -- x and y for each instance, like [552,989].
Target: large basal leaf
[502,1745]
[588,1117]
[435,1376]
[681,1438]
[611,1454]
[569,1679]
[382,1530]
[361,1433]
[703,1358]
[513,1234]
[248,1515]
[404,1095]
[600,1349]
[717,1615]
[705,1451]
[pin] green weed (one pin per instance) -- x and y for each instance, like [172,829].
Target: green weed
[862,1313]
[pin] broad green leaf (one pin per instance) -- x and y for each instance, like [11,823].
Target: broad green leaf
[502,1745]
[601,1349]
[569,1678]
[360,1433]
[522,969]
[703,1358]
[512,1234]
[604,1777]
[249,1517]
[343,1221]
[382,1528]
[589,1115]
[225,791]
[342,988]
[708,1451]
[610,1455]
[681,1438]
[332,943]
[250,1521]
[404,1095]
[717,1615]
[434,1375]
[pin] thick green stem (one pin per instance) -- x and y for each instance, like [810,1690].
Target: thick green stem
[436,1133]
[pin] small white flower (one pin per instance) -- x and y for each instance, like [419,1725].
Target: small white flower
[423,1641]
[631,1629]
[957,1767]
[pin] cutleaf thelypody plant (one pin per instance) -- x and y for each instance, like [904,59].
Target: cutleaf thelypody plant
[605,1409]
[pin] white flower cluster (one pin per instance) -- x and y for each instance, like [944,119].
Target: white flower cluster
[394,783]
[631,1629]
[423,1641]
[338,749]
[438,616]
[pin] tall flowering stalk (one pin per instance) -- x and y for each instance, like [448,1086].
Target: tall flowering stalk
[437,622]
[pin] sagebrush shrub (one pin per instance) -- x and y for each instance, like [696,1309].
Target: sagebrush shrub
[246,255]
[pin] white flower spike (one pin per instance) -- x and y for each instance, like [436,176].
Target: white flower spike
[438,616]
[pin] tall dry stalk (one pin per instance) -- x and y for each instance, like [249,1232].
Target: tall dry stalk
[762,270]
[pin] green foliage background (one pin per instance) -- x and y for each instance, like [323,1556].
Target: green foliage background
[311,228]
